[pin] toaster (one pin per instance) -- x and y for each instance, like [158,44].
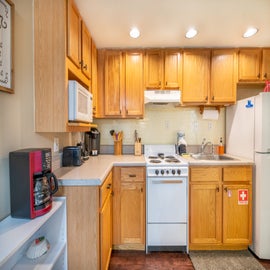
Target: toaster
[72,156]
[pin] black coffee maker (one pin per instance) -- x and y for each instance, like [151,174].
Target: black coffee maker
[92,142]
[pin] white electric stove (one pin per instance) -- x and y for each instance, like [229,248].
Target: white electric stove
[166,197]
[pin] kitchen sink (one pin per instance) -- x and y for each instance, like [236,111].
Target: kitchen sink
[201,156]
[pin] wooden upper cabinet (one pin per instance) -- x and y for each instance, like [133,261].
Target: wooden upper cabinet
[134,95]
[172,69]
[266,64]
[74,34]
[94,88]
[250,65]
[113,83]
[153,69]
[86,52]
[223,76]
[163,69]
[123,86]
[196,76]
[78,40]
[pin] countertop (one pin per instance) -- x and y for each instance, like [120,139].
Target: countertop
[94,171]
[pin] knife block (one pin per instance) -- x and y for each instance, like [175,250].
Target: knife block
[118,147]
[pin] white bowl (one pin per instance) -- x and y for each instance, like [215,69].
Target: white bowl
[38,247]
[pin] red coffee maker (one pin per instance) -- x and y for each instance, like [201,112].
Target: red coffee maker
[32,182]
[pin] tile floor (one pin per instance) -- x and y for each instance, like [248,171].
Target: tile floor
[138,260]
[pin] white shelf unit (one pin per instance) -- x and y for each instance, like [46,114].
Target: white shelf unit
[16,235]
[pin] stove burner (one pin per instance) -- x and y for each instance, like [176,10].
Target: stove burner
[170,157]
[155,161]
[152,157]
[172,160]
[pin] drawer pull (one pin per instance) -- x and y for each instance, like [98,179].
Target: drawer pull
[132,175]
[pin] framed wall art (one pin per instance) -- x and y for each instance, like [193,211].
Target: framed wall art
[6,45]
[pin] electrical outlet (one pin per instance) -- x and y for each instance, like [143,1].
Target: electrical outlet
[56,145]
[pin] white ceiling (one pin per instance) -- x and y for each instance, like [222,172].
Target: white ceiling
[163,23]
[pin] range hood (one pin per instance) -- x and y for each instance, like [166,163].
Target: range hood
[162,96]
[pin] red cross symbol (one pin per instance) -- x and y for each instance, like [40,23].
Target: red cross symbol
[242,196]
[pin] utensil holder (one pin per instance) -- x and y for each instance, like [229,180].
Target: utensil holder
[118,147]
[138,149]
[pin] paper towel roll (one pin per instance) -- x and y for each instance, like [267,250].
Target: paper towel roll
[210,114]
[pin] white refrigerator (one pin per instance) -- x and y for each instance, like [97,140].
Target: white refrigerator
[248,136]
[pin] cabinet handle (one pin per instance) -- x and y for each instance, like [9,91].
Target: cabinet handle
[132,175]
[127,112]
[217,189]
[206,98]
[259,75]
[85,66]
[166,83]
[141,189]
[226,189]
[213,97]
[159,83]
[265,75]
[109,186]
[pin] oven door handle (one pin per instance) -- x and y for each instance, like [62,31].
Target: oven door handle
[167,181]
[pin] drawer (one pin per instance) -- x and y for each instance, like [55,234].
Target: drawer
[106,188]
[205,174]
[132,174]
[237,173]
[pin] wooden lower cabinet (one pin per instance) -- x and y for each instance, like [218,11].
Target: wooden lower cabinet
[89,225]
[129,208]
[220,207]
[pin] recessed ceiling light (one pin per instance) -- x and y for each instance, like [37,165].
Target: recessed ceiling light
[134,32]
[250,32]
[191,33]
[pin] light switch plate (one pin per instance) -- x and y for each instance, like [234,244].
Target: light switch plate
[56,145]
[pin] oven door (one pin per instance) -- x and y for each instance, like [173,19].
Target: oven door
[166,213]
[167,200]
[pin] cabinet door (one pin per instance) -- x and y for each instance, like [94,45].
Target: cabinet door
[86,52]
[113,83]
[266,64]
[172,69]
[106,233]
[205,213]
[74,34]
[132,214]
[237,214]
[134,95]
[196,76]
[249,65]
[223,76]
[153,69]
[94,88]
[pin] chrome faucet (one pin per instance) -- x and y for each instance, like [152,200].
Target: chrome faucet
[204,144]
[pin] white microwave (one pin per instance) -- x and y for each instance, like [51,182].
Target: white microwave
[80,103]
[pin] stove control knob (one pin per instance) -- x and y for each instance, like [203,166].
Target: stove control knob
[178,171]
[173,172]
[156,172]
[162,172]
[167,171]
